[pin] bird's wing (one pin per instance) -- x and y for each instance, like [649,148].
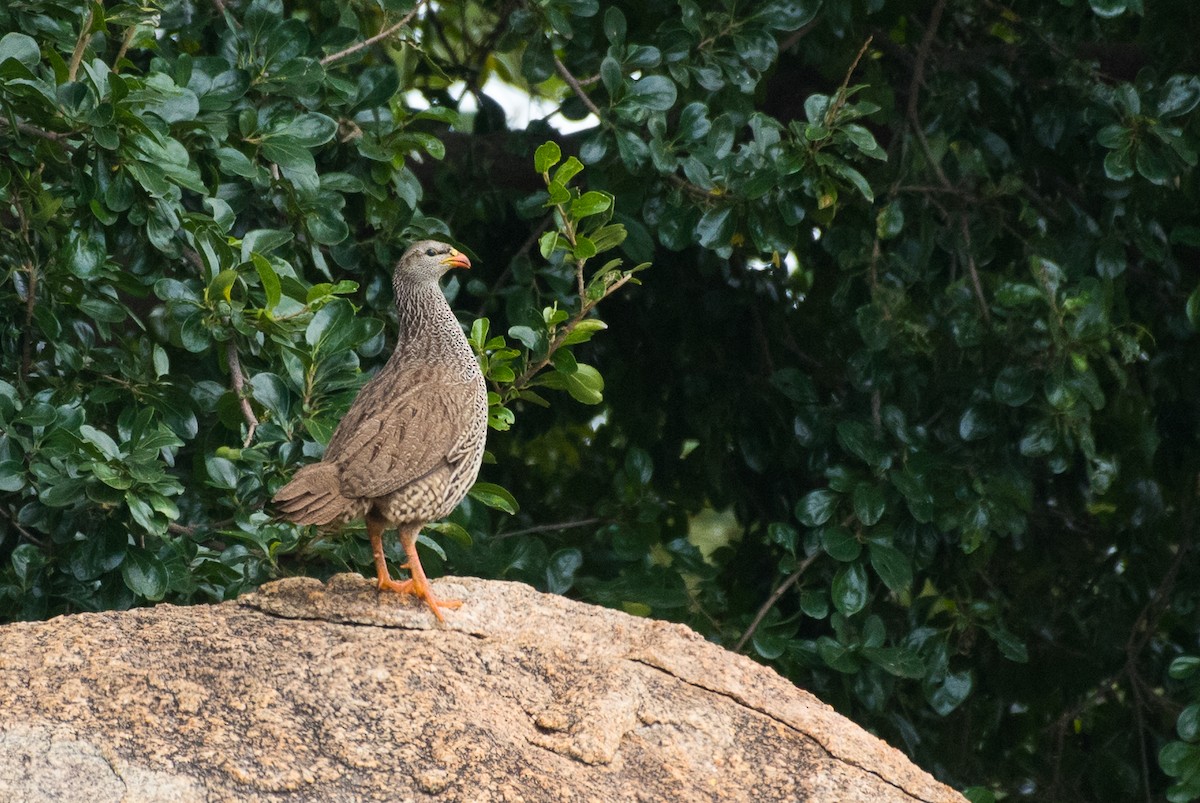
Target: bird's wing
[401,427]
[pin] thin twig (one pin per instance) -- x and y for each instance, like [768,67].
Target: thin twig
[384,34]
[125,43]
[85,36]
[798,34]
[24,533]
[30,304]
[689,187]
[34,131]
[914,89]
[776,595]
[978,285]
[577,88]
[521,381]
[545,528]
[841,97]
[534,236]
[239,388]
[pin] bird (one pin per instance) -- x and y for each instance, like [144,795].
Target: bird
[410,446]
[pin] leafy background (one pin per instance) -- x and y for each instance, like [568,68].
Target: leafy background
[906,406]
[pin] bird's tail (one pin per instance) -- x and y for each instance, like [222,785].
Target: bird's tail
[313,496]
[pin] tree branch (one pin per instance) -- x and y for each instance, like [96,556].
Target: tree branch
[577,88]
[776,595]
[238,380]
[975,282]
[34,131]
[85,36]
[545,528]
[384,34]
[914,89]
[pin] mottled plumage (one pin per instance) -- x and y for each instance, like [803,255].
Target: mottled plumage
[410,446]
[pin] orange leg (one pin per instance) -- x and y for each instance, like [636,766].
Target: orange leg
[418,586]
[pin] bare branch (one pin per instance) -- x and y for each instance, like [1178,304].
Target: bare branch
[384,34]
[577,88]
[841,97]
[34,131]
[546,528]
[914,89]
[975,283]
[85,36]
[776,595]
[238,380]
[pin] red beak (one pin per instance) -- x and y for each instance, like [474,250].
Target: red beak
[457,259]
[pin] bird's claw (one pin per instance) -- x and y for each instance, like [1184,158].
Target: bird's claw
[422,591]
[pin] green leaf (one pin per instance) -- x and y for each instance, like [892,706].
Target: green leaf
[614,25]
[101,440]
[715,227]
[655,92]
[547,243]
[494,496]
[817,507]
[850,590]
[840,544]
[898,661]
[1110,259]
[324,331]
[20,47]
[1109,8]
[567,171]
[1180,95]
[584,248]
[892,566]
[694,124]
[1010,646]
[1014,386]
[1192,308]
[1188,723]
[306,130]
[454,532]
[592,202]
[851,176]
[584,330]
[561,570]
[547,155]
[98,554]
[12,475]
[1039,439]
[1118,166]
[950,693]
[838,656]
[269,280]
[585,384]
[868,501]
[26,560]
[611,75]
[144,574]
[1184,667]
[974,424]
[527,337]
[889,222]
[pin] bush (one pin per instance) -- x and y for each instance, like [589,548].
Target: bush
[906,408]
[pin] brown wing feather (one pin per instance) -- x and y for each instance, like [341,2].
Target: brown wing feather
[313,496]
[401,427]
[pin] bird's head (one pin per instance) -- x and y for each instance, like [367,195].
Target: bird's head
[427,260]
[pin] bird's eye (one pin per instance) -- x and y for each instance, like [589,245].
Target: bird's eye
[429,252]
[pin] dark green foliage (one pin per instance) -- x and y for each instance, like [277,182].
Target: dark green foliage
[906,407]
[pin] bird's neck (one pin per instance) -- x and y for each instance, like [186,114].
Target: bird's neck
[427,325]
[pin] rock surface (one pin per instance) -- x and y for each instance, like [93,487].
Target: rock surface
[331,692]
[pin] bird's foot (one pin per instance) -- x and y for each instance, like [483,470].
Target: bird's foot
[420,589]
